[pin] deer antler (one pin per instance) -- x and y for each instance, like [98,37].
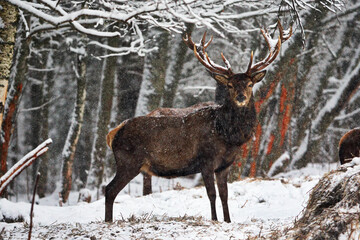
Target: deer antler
[202,56]
[273,50]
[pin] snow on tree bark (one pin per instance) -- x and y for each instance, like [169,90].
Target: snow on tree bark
[69,149]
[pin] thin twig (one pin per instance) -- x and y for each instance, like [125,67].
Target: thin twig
[32,205]
[39,107]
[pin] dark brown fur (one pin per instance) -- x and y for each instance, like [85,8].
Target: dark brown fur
[349,146]
[147,184]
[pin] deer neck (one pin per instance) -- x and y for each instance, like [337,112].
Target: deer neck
[235,124]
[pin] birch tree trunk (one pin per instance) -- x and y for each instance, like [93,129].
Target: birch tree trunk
[9,18]
[75,129]
[18,72]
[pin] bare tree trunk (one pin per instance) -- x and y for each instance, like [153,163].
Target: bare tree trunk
[128,86]
[98,155]
[173,74]
[75,129]
[36,118]
[48,82]
[153,83]
[9,18]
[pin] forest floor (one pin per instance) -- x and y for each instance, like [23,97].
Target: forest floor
[258,209]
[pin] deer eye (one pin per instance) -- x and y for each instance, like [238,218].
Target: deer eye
[251,85]
[230,86]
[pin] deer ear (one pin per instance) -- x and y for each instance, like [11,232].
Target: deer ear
[219,78]
[257,77]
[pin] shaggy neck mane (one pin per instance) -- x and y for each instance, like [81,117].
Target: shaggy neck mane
[235,124]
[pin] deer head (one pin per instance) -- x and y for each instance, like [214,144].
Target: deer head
[239,85]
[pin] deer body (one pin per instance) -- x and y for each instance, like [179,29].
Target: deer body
[201,139]
[187,140]
[349,146]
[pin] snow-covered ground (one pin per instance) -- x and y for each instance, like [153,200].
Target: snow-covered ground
[257,207]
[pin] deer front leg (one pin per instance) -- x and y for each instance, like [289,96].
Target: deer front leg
[208,177]
[221,180]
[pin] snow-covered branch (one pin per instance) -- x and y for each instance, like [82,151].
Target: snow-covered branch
[93,18]
[26,161]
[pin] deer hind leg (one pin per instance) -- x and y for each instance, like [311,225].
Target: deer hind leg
[123,176]
[221,180]
[208,177]
[147,188]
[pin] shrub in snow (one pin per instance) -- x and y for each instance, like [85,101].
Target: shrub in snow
[84,195]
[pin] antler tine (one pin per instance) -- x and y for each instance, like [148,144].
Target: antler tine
[281,30]
[250,63]
[188,41]
[227,63]
[202,56]
[266,62]
[207,63]
[208,43]
[203,44]
[203,39]
[273,51]
[227,71]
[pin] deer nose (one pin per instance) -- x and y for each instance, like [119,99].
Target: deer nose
[240,98]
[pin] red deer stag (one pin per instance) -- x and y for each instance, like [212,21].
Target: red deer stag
[349,146]
[204,141]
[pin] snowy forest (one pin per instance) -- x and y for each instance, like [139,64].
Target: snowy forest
[80,68]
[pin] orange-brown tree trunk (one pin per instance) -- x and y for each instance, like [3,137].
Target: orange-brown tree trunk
[72,139]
